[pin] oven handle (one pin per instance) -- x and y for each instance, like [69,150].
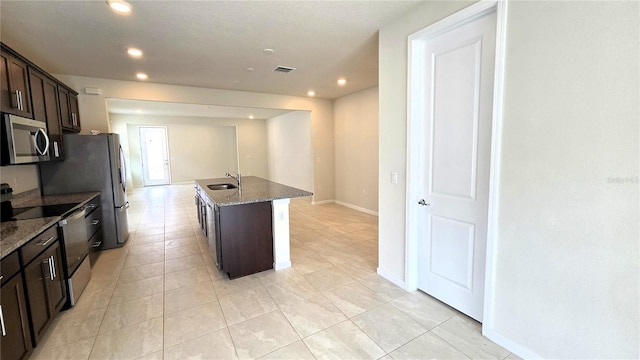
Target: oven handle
[74,216]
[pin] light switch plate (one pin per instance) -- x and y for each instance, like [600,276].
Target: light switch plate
[394,177]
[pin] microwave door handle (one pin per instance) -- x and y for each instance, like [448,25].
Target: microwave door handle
[46,139]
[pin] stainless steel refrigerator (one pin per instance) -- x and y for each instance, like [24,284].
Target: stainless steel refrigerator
[93,163]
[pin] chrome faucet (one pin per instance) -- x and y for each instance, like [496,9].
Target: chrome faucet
[237,178]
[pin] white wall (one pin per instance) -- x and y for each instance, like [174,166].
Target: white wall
[568,237]
[566,260]
[191,139]
[93,114]
[289,150]
[21,178]
[356,141]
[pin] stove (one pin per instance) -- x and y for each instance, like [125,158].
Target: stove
[36,212]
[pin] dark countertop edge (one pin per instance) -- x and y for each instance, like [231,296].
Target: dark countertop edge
[291,192]
[30,228]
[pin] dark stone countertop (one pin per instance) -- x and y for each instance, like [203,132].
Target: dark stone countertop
[254,189]
[14,234]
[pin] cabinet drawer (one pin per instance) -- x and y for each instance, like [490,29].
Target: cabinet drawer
[94,222]
[38,244]
[9,266]
[95,245]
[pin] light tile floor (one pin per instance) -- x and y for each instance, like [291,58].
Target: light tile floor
[160,297]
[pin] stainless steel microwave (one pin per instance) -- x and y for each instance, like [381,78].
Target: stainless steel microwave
[23,141]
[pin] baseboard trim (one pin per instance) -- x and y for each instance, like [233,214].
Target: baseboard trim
[354,207]
[385,274]
[281,265]
[510,345]
[322,202]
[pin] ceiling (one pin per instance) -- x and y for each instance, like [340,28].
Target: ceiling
[208,43]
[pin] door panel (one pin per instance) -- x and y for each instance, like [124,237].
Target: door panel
[451,253]
[155,156]
[458,68]
[454,162]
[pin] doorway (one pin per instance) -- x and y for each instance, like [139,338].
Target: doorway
[452,115]
[155,156]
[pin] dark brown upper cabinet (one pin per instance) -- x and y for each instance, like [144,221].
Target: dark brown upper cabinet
[46,108]
[15,97]
[69,114]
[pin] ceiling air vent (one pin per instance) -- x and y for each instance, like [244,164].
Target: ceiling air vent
[284,69]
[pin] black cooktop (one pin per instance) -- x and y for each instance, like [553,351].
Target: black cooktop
[38,212]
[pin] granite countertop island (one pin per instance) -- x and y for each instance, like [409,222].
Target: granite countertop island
[248,228]
[253,189]
[14,234]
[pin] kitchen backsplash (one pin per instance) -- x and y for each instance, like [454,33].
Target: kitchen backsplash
[20,177]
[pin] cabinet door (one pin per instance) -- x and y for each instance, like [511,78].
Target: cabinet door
[74,109]
[44,99]
[16,337]
[19,86]
[212,233]
[65,114]
[37,275]
[54,127]
[56,289]
[15,98]
[36,83]
[7,101]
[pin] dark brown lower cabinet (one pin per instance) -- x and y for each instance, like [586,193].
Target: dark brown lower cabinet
[246,238]
[16,339]
[45,289]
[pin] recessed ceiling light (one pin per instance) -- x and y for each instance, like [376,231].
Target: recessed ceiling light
[119,6]
[268,51]
[311,93]
[342,81]
[250,69]
[250,116]
[133,52]
[142,76]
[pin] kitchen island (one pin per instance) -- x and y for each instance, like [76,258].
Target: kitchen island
[247,228]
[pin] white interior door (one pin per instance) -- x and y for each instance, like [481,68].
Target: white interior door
[155,156]
[457,72]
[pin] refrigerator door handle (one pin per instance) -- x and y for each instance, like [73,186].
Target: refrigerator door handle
[123,207]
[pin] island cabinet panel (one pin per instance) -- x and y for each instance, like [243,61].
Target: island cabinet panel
[246,238]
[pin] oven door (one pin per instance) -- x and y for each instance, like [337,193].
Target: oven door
[24,140]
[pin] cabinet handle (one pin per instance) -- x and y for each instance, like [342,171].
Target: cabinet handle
[48,261]
[4,331]
[95,222]
[45,242]
[98,244]
[90,206]
[53,265]
[20,100]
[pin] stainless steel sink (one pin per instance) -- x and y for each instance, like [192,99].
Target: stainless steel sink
[222,186]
